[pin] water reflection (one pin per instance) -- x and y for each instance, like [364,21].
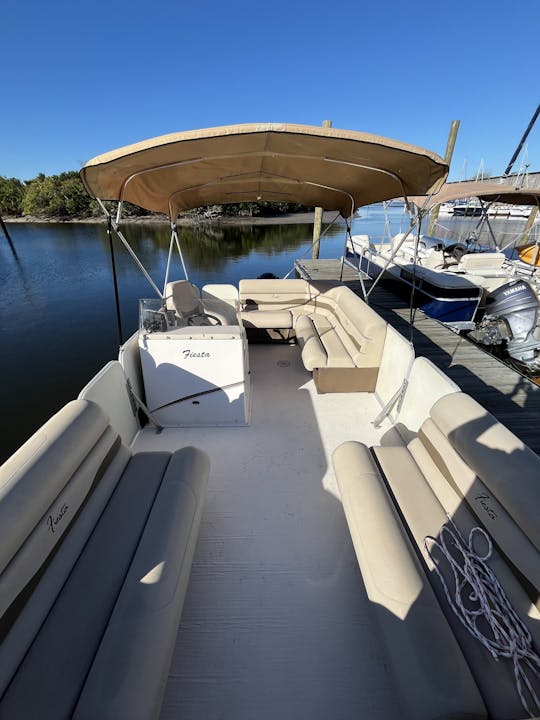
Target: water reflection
[57,315]
[213,247]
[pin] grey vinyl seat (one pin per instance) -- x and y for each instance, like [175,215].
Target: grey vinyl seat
[95,560]
[182,297]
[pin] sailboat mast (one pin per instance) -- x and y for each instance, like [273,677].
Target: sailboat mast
[522,141]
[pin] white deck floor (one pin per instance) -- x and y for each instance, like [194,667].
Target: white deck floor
[276,623]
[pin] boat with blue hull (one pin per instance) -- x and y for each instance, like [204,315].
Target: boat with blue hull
[450,298]
[463,283]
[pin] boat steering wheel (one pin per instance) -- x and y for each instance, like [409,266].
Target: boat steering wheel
[203,319]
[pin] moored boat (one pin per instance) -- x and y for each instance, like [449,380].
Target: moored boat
[461,282]
[201,442]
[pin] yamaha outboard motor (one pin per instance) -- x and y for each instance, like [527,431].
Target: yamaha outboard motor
[511,317]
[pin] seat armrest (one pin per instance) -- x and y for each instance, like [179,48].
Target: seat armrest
[129,673]
[429,668]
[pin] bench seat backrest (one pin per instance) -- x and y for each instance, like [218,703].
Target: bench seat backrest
[495,474]
[480,261]
[396,363]
[361,330]
[480,475]
[43,486]
[425,385]
[276,294]
[365,329]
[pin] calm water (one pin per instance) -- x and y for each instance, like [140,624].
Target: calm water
[57,315]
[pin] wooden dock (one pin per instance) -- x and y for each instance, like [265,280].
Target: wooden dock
[511,397]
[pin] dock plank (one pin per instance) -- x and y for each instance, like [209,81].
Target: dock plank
[504,392]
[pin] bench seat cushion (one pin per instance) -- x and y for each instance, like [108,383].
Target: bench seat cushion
[45,487]
[507,467]
[21,624]
[33,479]
[313,352]
[129,673]
[276,294]
[424,514]
[112,627]
[267,319]
[336,352]
[50,678]
[425,506]
[428,666]
[365,328]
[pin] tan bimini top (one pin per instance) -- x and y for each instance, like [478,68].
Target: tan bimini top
[315,166]
[488,192]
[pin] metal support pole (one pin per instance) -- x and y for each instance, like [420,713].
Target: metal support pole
[125,243]
[486,220]
[397,397]
[317,219]
[302,256]
[514,157]
[450,145]
[6,233]
[415,222]
[521,142]
[348,235]
[180,251]
[525,234]
[115,282]
[389,260]
[168,261]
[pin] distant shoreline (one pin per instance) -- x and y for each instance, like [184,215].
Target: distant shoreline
[235,220]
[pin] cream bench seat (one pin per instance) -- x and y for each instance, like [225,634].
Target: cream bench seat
[340,336]
[269,304]
[457,460]
[95,558]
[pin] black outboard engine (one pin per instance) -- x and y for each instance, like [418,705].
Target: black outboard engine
[511,317]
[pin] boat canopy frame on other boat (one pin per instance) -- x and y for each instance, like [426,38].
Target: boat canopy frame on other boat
[472,294]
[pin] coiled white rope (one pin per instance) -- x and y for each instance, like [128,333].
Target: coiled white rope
[481,605]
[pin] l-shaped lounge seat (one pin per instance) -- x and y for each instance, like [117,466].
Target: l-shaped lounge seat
[444,456]
[340,336]
[96,552]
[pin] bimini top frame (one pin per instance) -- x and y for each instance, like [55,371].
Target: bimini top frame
[487,194]
[484,191]
[319,167]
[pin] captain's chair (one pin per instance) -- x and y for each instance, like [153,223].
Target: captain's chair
[182,297]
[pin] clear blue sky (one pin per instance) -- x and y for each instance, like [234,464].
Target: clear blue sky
[79,79]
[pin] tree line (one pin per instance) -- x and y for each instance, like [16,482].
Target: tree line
[64,197]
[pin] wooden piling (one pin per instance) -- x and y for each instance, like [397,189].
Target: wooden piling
[317,219]
[450,144]
[528,226]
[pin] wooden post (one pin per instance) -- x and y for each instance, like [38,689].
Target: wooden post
[452,135]
[528,226]
[317,219]
[6,233]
